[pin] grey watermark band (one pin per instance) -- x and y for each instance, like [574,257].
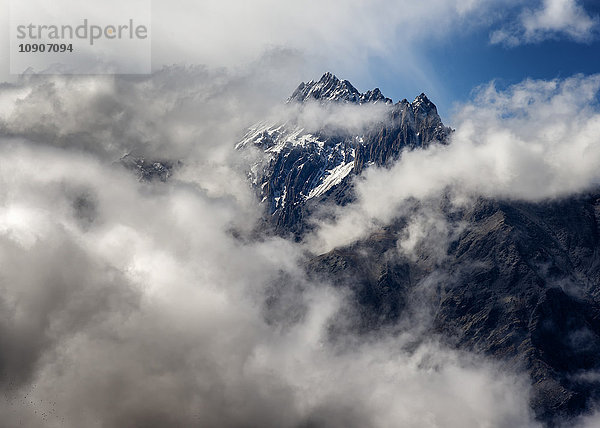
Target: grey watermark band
[83,32]
[80,37]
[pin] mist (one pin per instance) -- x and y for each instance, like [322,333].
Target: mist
[144,303]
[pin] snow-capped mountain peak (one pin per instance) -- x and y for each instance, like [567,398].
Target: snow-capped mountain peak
[300,166]
[423,104]
[331,89]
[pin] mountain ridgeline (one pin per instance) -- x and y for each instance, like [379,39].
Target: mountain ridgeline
[302,168]
[519,282]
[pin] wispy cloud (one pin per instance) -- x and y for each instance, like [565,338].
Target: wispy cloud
[330,34]
[555,19]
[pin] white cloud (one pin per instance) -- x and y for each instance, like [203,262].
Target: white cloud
[127,303]
[192,109]
[554,19]
[152,315]
[329,34]
[225,32]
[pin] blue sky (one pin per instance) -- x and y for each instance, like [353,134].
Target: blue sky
[453,67]
[470,61]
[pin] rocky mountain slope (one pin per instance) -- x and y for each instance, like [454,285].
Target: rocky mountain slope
[519,282]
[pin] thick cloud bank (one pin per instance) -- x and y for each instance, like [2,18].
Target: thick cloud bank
[142,304]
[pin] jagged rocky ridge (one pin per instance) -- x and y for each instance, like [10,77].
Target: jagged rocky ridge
[519,282]
[330,88]
[148,170]
[303,167]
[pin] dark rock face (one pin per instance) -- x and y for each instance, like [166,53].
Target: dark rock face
[148,170]
[410,126]
[534,298]
[520,284]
